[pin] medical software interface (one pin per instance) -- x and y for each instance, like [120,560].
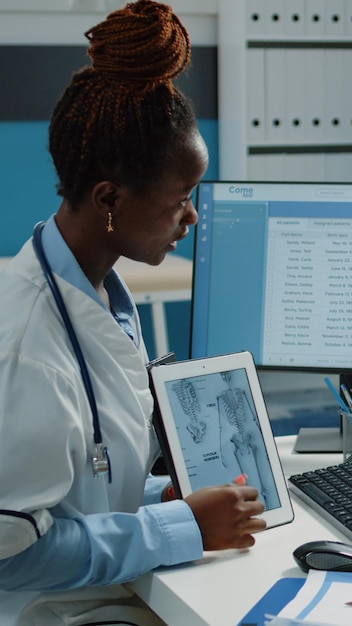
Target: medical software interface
[273,273]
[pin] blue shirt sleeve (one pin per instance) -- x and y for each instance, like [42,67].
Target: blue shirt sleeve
[103,549]
[153,488]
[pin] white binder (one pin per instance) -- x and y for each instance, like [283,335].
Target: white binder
[314,96]
[255,77]
[294,18]
[336,127]
[347,167]
[315,18]
[347,95]
[275,70]
[254,17]
[348,18]
[314,167]
[274,18]
[275,166]
[335,167]
[294,167]
[256,170]
[295,94]
[334,18]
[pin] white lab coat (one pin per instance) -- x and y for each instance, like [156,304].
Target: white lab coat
[46,439]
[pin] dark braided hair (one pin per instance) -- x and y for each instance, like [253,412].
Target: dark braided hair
[122,119]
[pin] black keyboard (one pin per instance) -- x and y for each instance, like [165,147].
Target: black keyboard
[328,491]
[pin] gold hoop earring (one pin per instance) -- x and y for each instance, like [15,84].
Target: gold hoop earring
[109,226]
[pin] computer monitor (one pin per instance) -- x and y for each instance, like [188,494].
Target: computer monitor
[273,274]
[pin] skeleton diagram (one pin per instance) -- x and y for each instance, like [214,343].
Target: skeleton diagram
[240,437]
[188,400]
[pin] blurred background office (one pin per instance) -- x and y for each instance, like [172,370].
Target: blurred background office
[272,89]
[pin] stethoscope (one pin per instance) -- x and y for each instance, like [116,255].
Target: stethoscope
[100,458]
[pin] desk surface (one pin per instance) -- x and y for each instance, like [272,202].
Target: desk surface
[222,587]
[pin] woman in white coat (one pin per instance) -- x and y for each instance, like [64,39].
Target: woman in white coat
[128,156]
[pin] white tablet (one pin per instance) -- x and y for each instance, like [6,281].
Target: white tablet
[213,426]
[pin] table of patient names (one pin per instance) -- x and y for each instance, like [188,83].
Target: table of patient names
[309,295]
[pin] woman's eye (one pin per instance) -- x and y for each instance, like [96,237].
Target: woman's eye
[184,203]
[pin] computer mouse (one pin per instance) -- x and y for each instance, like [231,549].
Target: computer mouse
[324,555]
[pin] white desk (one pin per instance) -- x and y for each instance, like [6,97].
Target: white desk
[222,587]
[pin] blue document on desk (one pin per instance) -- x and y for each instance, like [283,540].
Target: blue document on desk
[273,601]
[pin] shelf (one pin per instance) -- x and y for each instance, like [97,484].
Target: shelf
[297,146]
[289,41]
[284,88]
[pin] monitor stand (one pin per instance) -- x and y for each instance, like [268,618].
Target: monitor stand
[318,440]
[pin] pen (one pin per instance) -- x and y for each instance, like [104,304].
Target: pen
[171,491]
[346,394]
[342,404]
[241,480]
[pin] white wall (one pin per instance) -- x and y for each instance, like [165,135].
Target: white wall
[64,21]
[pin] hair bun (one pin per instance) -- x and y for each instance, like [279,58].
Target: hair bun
[143,43]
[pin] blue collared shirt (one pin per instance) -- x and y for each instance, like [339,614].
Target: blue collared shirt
[64,264]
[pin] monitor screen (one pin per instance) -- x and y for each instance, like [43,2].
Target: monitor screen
[273,273]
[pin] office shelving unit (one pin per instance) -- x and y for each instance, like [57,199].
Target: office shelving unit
[285,89]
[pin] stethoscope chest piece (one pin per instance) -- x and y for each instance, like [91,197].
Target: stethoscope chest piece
[101,462]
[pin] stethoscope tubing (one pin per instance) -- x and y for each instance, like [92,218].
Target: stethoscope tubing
[39,250]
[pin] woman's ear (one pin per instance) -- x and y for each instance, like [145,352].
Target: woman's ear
[105,196]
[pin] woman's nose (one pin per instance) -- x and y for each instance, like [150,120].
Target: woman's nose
[191,216]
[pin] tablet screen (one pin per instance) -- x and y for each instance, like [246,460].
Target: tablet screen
[213,426]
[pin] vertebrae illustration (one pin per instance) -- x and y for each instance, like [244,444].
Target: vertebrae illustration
[188,400]
[234,408]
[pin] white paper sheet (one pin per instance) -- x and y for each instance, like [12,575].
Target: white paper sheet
[322,601]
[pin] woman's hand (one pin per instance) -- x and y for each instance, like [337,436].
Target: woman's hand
[226,516]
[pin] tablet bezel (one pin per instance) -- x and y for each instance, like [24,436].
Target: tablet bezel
[167,432]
